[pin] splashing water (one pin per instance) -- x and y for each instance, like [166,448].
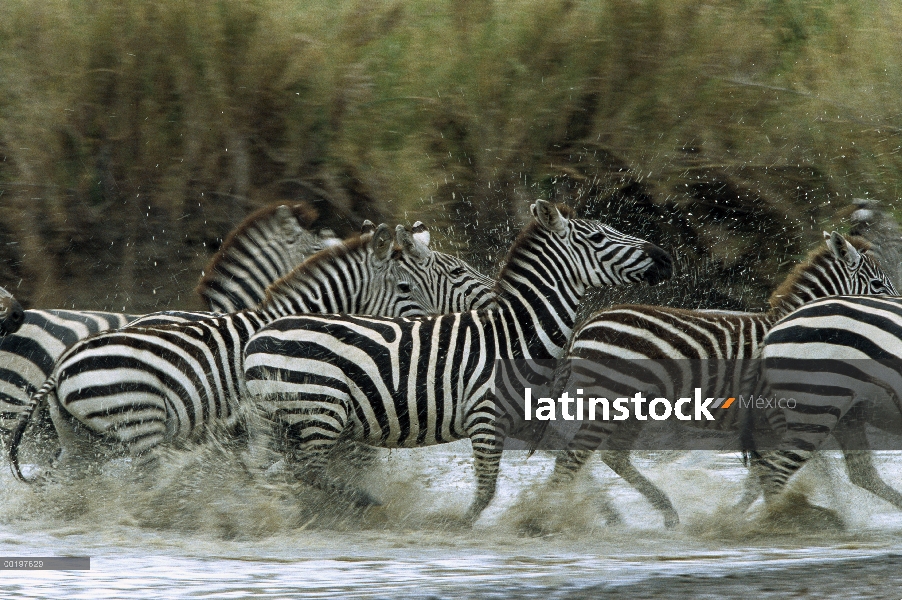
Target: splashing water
[202,526]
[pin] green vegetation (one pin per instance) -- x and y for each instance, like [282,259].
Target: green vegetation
[134,132]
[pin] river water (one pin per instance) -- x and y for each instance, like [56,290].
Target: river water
[201,528]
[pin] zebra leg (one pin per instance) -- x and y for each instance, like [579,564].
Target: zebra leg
[487,460]
[355,455]
[620,463]
[571,461]
[312,440]
[76,442]
[774,468]
[616,455]
[487,438]
[851,435]
[588,439]
[259,455]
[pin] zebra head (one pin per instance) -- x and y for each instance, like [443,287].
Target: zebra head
[440,283]
[843,268]
[387,290]
[594,254]
[287,233]
[11,314]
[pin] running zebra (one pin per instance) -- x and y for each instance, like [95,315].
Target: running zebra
[840,359]
[141,386]
[417,382]
[273,237]
[608,350]
[265,247]
[11,313]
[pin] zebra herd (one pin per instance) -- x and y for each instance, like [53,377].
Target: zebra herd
[384,342]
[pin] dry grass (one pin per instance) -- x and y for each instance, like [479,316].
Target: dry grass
[457,112]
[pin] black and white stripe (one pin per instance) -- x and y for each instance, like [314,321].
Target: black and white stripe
[11,314]
[461,285]
[265,247]
[268,243]
[608,350]
[840,359]
[141,386]
[417,382]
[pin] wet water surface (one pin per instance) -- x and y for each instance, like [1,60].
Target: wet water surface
[202,528]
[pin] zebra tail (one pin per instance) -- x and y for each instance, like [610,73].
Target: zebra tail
[37,401]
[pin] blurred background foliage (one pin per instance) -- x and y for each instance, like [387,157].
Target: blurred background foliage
[135,134]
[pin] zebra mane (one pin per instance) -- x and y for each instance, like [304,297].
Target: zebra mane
[795,277]
[303,212]
[526,235]
[326,255]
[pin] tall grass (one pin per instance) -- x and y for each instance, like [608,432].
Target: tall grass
[124,120]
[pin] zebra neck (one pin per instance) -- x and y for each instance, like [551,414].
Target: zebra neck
[539,319]
[323,295]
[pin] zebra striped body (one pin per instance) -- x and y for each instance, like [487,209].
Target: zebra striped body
[28,356]
[708,346]
[840,359]
[265,247]
[140,386]
[11,313]
[416,382]
[268,243]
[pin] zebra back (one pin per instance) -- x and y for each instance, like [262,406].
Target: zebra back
[11,314]
[266,246]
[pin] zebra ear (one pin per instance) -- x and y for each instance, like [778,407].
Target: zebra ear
[842,249]
[549,217]
[382,243]
[367,227]
[288,225]
[421,233]
[410,243]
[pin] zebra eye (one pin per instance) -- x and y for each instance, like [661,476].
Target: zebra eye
[597,237]
[458,272]
[404,286]
[878,287]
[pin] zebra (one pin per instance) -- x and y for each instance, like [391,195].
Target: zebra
[266,246]
[273,236]
[610,346]
[11,313]
[141,386]
[412,382]
[839,360]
